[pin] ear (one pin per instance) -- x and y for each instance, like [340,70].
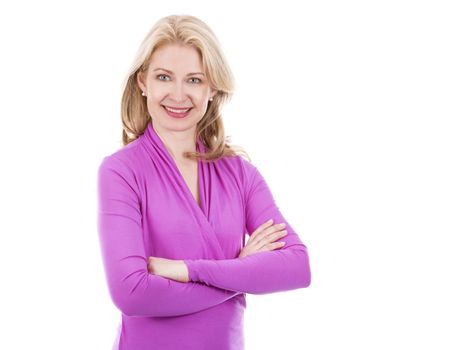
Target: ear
[213,93]
[141,81]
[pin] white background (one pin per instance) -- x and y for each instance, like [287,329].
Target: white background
[347,109]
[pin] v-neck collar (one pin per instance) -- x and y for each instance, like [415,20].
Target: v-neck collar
[158,145]
[157,149]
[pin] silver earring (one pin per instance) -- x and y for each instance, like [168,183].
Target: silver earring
[143,93]
[211,99]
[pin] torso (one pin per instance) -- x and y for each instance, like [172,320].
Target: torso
[189,173]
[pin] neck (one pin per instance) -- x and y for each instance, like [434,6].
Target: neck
[177,142]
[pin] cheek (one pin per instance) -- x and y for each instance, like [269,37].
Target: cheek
[201,100]
[157,91]
[156,97]
[154,104]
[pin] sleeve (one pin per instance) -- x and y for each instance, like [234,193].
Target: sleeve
[263,272]
[134,290]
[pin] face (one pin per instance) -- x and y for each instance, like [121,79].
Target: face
[176,88]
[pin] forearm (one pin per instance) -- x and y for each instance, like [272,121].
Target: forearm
[136,292]
[133,290]
[168,268]
[259,273]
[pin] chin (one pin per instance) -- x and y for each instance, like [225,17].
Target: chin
[176,125]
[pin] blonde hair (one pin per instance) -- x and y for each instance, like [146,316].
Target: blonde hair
[188,30]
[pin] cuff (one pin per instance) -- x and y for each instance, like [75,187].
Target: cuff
[192,270]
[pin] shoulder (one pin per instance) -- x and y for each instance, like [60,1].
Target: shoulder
[124,160]
[243,169]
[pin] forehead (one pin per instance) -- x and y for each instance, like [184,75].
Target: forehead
[176,57]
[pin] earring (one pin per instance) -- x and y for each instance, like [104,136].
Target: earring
[211,99]
[143,93]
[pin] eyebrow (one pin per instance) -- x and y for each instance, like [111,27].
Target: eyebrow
[169,71]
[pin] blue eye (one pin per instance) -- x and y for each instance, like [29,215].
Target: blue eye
[161,75]
[198,81]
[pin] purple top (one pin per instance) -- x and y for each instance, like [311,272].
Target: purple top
[145,208]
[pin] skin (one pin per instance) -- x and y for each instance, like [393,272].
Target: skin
[261,240]
[179,88]
[175,86]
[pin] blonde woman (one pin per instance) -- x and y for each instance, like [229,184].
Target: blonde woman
[176,203]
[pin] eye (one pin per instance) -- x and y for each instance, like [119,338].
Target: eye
[198,80]
[162,75]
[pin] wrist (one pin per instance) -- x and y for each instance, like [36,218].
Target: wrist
[184,271]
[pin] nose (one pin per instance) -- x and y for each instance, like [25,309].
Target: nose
[178,92]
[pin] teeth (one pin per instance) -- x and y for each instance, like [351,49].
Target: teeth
[177,110]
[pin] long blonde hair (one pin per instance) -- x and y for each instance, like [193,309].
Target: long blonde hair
[188,30]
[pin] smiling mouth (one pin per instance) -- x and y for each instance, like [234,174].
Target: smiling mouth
[177,110]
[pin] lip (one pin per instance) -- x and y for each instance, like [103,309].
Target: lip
[177,107]
[177,115]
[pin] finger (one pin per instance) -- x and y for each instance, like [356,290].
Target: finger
[270,230]
[274,236]
[261,228]
[273,246]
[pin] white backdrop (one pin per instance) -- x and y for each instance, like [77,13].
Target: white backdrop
[347,109]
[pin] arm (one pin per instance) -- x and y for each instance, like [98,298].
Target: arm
[262,272]
[133,290]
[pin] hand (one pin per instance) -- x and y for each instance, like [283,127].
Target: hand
[172,269]
[262,239]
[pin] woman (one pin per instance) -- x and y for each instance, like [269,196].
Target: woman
[176,202]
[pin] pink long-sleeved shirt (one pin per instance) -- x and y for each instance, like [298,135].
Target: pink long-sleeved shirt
[145,208]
